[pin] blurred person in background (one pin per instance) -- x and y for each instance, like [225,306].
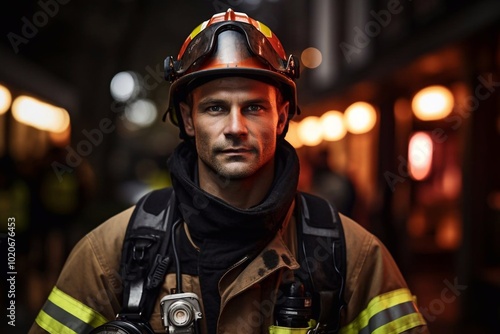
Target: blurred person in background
[331,184]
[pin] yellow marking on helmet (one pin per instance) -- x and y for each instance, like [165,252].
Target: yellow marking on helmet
[265,30]
[198,29]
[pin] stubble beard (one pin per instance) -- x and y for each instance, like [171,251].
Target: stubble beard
[229,169]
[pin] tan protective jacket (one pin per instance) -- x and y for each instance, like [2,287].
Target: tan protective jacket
[88,291]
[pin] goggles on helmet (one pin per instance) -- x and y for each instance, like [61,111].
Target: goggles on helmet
[204,43]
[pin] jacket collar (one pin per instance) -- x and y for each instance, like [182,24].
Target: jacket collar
[275,256]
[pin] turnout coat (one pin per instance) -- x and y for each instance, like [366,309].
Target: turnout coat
[88,292]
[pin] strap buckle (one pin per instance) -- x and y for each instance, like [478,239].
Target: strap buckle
[141,245]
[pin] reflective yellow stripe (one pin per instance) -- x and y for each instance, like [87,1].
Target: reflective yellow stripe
[396,308]
[287,330]
[404,323]
[198,29]
[76,308]
[265,30]
[51,325]
[65,314]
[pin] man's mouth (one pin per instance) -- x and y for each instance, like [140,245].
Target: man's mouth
[236,150]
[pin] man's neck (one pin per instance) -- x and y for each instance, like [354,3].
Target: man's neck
[240,193]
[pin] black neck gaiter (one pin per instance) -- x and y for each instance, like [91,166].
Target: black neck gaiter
[226,234]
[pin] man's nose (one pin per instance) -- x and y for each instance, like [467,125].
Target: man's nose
[235,123]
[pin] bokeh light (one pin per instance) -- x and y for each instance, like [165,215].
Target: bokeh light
[432,103]
[40,115]
[5,99]
[292,136]
[124,86]
[310,131]
[420,151]
[142,112]
[360,117]
[332,124]
[311,57]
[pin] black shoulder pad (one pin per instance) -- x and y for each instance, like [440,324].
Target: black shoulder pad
[150,210]
[144,261]
[319,216]
[322,256]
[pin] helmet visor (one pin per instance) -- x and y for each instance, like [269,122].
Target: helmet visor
[204,43]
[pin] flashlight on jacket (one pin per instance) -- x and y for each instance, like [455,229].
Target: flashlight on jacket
[295,308]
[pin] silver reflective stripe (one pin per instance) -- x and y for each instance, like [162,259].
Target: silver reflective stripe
[384,317]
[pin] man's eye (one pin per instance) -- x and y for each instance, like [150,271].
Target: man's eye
[215,109]
[254,108]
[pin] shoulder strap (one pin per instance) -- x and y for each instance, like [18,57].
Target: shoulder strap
[144,260]
[322,255]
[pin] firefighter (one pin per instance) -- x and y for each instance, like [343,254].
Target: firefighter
[235,181]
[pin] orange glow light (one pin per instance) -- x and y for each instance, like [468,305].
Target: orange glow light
[5,99]
[309,131]
[332,123]
[360,117]
[420,155]
[292,136]
[40,115]
[432,103]
[449,232]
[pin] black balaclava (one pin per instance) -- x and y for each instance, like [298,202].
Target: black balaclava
[226,234]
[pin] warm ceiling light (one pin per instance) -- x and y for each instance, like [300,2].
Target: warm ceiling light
[311,57]
[360,117]
[420,151]
[332,123]
[309,131]
[432,103]
[5,99]
[292,136]
[40,115]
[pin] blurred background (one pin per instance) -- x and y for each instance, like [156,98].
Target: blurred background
[399,128]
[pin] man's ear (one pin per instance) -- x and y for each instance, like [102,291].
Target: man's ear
[282,117]
[187,118]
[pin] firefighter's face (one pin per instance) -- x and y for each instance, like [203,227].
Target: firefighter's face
[235,123]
